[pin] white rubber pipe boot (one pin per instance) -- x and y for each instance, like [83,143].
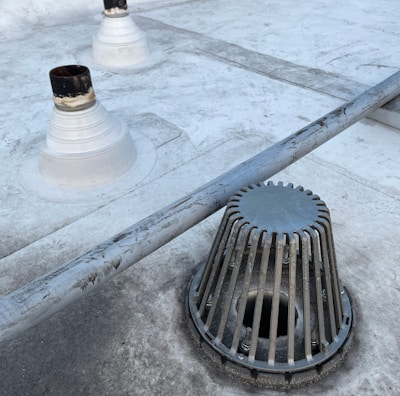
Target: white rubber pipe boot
[118,42]
[85,146]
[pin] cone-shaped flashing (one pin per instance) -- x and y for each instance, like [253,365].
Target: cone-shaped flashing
[85,145]
[118,42]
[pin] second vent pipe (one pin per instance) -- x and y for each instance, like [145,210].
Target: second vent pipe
[119,42]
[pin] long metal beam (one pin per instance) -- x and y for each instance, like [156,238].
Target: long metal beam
[37,301]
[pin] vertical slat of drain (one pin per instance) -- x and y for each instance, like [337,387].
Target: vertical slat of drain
[305,260]
[275,299]
[217,291]
[260,296]
[292,298]
[335,276]
[338,304]
[328,283]
[213,252]
[318,289]
[217,249]
[243,242]
[231,231]
[246,284]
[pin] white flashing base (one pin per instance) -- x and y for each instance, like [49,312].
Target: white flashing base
[86,148]
[119,43]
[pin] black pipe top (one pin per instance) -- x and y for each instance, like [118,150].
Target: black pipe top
[71,80]
[108,4]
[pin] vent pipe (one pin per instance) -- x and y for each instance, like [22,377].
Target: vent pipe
[118,42]
[85,146]
[115,7]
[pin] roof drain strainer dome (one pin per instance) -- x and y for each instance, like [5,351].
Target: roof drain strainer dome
[85,145]
[118,42]
[269,306]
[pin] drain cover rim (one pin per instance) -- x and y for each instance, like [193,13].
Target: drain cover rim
[303,365]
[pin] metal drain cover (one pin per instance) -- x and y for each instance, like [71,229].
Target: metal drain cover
[268,306]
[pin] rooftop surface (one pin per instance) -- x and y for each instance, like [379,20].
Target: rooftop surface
[224,81]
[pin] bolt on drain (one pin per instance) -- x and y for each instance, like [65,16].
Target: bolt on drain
[268,306]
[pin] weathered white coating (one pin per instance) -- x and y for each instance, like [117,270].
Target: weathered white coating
[85,148]
[48,294]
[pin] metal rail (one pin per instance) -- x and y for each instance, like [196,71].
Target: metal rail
[38,300]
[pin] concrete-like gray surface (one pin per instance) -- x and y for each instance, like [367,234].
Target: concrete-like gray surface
[224,81]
